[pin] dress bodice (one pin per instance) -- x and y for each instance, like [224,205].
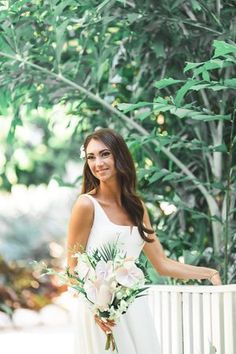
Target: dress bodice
[135,333]
[105,231]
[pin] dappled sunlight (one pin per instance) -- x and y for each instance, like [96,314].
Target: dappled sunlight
[168,208]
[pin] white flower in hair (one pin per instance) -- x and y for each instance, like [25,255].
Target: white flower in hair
[82,152]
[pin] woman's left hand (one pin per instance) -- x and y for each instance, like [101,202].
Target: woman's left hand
[215,279]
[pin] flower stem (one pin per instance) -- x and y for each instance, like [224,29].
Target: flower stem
[110,342]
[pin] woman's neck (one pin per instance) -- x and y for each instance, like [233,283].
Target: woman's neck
[109,193]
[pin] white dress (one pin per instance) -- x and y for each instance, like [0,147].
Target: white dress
[135,332]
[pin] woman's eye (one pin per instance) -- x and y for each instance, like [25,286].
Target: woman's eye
[107,153]
[103,154]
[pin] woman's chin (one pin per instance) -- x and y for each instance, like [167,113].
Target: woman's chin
[104,178]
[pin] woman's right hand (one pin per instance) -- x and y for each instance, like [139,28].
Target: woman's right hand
[104,325]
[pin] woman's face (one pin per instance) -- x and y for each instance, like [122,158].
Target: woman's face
[100,160]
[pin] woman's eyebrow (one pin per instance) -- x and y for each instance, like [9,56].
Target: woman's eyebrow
[91,153]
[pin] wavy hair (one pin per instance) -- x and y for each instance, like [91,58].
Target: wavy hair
[126,174]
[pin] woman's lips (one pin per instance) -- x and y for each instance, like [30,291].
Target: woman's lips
[105,169]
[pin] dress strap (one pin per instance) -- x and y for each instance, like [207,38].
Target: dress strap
[89,196]
[92,199]
[98,211]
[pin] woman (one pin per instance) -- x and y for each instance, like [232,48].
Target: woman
[109,208]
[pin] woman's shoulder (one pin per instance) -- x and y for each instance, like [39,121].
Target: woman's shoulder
[82,215]
[83,203]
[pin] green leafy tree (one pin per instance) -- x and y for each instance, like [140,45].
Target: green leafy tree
[92,56]
[205,142]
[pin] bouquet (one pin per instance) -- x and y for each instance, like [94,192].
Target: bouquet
[109,280]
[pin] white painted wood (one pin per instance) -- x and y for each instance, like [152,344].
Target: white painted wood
[206,310]
[166,323]
[156,306]
[196,288]
[197,323]
[176,323]
[187,323]
[228,324]
[195,319]
[217,322]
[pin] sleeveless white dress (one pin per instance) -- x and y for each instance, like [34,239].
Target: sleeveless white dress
[135,332]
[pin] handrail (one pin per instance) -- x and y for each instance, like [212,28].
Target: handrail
[195,288]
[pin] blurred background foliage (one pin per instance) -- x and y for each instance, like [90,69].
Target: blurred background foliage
[162,74]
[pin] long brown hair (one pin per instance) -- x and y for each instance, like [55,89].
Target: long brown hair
[126,174]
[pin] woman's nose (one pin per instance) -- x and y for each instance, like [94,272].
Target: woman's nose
[99,161]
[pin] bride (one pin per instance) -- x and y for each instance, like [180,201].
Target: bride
[109,206]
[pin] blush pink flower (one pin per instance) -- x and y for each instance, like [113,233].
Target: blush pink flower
[100,293]
[105,297]
[92,289]
[104,270]
[129,275]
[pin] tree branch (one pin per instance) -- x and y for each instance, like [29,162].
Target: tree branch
[218,7]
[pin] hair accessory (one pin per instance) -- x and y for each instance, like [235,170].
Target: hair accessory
[82,152]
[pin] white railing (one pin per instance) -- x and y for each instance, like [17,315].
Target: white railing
[194,319]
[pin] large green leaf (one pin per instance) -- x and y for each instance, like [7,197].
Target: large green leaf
[183,90]
[166,82]
[222,48]
[190,66]
[60,39]
[201,68]
[127,107]
[102,5]
[220,148]
[230,83]
[102,69]
[196,5]
[209,117]
[5,47]
[60,7]
[186,112]
[158,175]
[159,49]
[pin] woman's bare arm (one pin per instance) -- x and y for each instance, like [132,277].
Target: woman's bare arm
[169,267]
[79,227]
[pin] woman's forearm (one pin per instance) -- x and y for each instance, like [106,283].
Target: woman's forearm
[179,270]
